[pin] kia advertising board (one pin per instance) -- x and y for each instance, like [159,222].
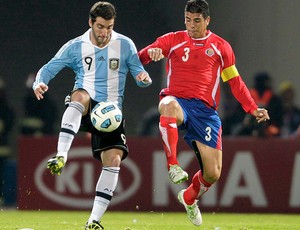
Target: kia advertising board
[257,176]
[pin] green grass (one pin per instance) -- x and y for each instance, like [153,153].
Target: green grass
[73,220]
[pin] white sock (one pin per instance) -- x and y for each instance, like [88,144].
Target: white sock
[70,125]
[105,187]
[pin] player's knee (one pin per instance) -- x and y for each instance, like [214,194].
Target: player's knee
[83,98]
[116,161]
[212,175]
[169,107]
[80,96]
[112,157]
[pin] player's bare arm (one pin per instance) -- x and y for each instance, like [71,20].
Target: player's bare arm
[261,115]
[155,54]
[39,90]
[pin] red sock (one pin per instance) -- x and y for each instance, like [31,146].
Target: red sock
[196,189]
[169,134]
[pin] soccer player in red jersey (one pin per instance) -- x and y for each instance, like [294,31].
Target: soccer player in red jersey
[197,59]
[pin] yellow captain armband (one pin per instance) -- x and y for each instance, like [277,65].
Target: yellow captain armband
[229,73]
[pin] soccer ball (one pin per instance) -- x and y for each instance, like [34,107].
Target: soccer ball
[106,116]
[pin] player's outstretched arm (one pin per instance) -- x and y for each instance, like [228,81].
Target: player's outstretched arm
[39,90]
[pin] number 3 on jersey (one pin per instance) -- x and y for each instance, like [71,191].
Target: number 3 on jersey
[208,132]
[186,54]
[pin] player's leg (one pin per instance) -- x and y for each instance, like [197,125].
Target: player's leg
[202,180]
[113,149]
[171,117]
[106,184]
[70,124]
[204,136]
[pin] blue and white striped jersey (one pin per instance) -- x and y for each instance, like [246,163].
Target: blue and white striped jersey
[100,71]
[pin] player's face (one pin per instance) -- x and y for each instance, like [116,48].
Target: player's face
[101,31]
[195,24]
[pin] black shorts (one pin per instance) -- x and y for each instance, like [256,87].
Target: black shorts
[103,140]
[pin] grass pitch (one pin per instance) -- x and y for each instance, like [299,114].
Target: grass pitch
[73,220]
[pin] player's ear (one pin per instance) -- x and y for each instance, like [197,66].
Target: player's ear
[90,23]
[207,20]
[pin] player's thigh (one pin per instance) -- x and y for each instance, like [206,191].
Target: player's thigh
[211,159]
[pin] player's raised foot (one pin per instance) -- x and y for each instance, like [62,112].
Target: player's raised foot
[192,211]
[56,164]
[94,225]
[177,175]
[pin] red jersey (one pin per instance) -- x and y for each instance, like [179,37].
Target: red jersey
[195,66]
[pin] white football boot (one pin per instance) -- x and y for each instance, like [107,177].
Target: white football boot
[192,211]
[177,175]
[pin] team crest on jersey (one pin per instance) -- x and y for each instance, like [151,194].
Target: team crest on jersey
[209,52]
[114,63]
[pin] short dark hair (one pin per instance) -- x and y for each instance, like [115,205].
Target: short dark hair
[198,6]
[102,9]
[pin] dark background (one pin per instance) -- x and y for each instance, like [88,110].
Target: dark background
[264,35]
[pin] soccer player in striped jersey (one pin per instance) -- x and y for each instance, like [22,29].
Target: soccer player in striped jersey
[101,59]
[197,59]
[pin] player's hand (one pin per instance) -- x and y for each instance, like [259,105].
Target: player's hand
[39,90]
[155,54]
[261,115]
[144,77]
